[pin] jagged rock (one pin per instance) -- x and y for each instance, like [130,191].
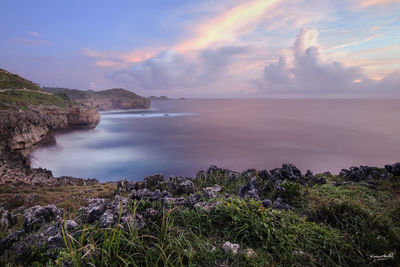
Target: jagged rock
[311,180]
[267,203]
[193,199]
[264,175]
[280,204]
[211,191]
[32,198]
[150,213]
[230,248]
[122,186]
[7,219]
[153,180]
[288,171]
[250,190]
[95,209]
[362,173]
[156,195]
[342,183]
[9,240]
[392,170]
[249,173]
[278,187]
[36,216]
[216,171]
[181,185]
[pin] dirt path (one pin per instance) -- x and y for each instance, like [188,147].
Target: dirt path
[26,90]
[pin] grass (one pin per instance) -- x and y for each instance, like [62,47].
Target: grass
[13,81]
[18,99]
[329,226]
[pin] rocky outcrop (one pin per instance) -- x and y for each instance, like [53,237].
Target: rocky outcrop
[23,131]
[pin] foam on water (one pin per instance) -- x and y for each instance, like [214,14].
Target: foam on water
[145,115]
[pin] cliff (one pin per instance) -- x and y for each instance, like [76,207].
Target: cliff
[110,99]
[29,118]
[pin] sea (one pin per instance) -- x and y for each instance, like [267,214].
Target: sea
[181,137]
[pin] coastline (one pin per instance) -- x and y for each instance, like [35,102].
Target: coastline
[228,216]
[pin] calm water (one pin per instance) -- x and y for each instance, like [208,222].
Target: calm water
[321,135]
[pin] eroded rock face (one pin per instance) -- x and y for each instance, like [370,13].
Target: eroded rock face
[24,130]
[21,132]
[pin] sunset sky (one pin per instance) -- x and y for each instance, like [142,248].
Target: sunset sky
[220,48]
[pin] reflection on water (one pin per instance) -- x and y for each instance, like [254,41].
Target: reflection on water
[181,137]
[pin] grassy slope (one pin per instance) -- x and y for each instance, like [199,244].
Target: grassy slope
[77,95]
[15,99]
[329,226]
[13,81]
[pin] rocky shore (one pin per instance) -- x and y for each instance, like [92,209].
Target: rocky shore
[23,131]
[218,218]
[138,206]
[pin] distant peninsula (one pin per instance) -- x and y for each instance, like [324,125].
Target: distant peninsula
[104,100]
[163,97]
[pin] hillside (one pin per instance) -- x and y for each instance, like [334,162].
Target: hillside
[110,99]
[13,81]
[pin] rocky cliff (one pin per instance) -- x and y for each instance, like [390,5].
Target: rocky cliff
[29,117]
[111,99]
[23,131]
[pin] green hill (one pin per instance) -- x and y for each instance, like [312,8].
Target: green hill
[13,81]
[110,99]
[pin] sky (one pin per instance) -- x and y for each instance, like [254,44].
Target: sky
[207,48]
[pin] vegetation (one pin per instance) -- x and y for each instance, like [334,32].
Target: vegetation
[330,225]
[90,95]
[20,99]
[13,81]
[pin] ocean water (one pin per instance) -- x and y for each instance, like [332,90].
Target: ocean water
[180,137]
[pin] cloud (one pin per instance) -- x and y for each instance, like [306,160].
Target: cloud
[171,70]
[30,42]
[372,3]
[228,26]
[306,69]
[36,34]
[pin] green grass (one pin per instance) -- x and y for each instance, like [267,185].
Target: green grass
[329,226]
[13,81]
[21,99]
